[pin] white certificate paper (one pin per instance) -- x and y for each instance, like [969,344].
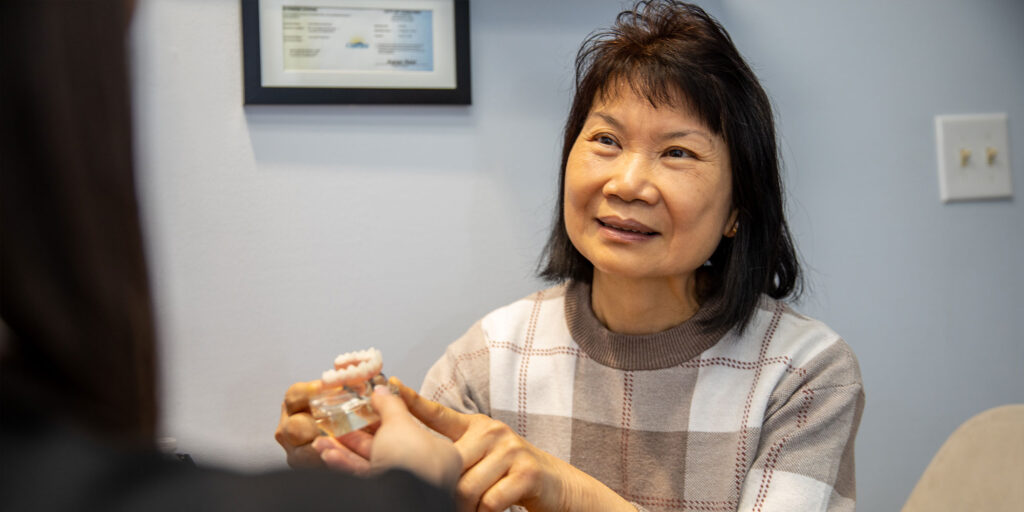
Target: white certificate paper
[357,39]
[389,44]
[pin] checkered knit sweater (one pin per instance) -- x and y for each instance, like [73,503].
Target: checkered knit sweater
[678,420]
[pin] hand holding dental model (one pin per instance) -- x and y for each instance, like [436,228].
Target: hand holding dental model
[328,422]
[343,404]
[493,466]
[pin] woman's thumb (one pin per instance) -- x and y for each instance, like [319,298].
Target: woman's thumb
[387,405]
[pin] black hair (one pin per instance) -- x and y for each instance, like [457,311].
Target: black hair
[666,51]
[74,297]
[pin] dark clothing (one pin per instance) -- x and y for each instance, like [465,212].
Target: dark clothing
[50,469]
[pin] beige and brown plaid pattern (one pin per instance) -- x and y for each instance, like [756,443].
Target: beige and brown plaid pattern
[680,420]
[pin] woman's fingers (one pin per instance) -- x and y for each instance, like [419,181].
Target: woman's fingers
[335,455]
[296,399]
[359,442]
[296,429]
[294,433]
[480,439]
[479,476]
[299,429]
[304,457]
[403,442]
[503,494]
[503,469]
[389,407]
[443,420]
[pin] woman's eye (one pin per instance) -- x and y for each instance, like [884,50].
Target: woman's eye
[679,153]
[605,140]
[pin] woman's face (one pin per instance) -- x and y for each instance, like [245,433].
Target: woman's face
[647,190]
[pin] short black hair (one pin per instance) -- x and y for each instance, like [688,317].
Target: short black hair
[662,48]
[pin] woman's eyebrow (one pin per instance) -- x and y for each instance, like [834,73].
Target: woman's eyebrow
[685,133]
[608,118]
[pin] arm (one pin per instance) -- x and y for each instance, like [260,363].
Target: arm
[501,469]
[805,458]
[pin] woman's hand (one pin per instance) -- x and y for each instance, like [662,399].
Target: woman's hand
[296,429]
[298,434]
[399,440]
[402,442]
[501,469]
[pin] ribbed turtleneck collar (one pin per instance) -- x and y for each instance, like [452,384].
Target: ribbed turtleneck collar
[637,352]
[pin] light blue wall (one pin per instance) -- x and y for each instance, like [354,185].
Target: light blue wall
[930,296]
[280,236]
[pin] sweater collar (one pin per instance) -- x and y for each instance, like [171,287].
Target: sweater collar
[663,349]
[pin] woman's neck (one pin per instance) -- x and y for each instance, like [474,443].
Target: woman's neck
[642,306]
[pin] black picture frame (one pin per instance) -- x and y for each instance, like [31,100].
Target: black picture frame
[255,93]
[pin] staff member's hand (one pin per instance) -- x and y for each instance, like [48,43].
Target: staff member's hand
[501,469]
[296,428]
[398,442]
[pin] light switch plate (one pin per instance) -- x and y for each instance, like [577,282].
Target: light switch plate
[974,157]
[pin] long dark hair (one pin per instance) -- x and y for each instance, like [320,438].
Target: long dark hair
[74,293]
[662,48]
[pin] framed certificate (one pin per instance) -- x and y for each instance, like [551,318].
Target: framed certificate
[356,51]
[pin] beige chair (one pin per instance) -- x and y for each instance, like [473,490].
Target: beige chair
[979,468]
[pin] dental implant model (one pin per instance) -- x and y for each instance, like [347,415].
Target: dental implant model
[344,403]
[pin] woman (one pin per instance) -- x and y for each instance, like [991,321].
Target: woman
[665,372]
[78,393]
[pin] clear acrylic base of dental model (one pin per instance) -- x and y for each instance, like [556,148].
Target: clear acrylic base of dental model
[338,411]
[344,404]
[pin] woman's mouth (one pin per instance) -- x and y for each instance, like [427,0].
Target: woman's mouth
[625,229]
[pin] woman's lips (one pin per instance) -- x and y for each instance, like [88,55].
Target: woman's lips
[626,230]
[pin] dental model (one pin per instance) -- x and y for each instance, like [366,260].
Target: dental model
[344,404]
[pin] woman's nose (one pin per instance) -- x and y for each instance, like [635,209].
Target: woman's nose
[630,180]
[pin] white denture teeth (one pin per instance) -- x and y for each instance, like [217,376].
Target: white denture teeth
[354,368]
[370,355]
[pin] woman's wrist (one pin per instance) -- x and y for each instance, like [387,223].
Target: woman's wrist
[582,493]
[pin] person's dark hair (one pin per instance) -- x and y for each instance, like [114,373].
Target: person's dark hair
[667,50]
[78,333]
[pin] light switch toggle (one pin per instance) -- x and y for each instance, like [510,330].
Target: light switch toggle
[965,156]
[990,155]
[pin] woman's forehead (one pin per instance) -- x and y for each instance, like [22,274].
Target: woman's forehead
[659,94]
[621,91]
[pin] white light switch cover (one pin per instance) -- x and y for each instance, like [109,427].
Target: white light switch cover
[985,173]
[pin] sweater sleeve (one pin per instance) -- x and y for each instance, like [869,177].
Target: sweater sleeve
[460,379]
[805,457]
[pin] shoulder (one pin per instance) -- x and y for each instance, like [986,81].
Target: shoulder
[538,316]
[809,348]
[798,357]
[461,377]
[814,347]
[549,299]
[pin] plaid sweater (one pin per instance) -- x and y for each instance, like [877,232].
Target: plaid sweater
[678,420]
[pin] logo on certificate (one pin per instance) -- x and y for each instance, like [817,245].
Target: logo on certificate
[356,42]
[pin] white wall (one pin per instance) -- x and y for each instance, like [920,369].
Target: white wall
[280,236]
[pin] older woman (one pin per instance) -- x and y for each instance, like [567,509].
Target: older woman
[665,371]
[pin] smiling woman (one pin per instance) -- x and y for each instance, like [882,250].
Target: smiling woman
[647,200]
[663,371]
